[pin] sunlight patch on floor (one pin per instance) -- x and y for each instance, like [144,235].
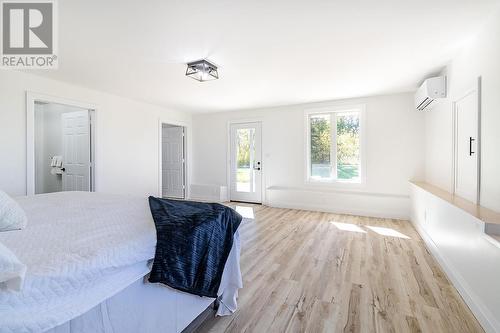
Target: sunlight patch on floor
[246,212]
[379,230]
[388,232]
[348,227]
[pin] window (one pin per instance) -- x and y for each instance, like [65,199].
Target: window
[334,145]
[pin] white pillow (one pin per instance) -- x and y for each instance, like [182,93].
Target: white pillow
[12,216]
[12,271]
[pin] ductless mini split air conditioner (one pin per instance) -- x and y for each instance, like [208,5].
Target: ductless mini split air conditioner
[432,89]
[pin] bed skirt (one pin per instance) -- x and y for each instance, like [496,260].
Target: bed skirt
[150,308]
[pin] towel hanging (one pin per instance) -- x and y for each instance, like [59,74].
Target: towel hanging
[56,161]
[56,165]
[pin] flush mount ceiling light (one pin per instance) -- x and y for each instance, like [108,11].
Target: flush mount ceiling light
[202,70]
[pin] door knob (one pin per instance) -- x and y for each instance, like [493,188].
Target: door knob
[63,169]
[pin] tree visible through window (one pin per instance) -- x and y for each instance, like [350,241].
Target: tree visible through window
[335,155]
[244,158]
[321,141]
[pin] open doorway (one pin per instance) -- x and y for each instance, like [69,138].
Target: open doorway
[63,153]
[60,145]
[173,161]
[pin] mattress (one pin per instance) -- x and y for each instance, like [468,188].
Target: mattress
[80,249]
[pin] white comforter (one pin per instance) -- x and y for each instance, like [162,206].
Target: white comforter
[80,249]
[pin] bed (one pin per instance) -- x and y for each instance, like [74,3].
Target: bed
[87,256]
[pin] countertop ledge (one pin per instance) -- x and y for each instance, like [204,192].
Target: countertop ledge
[482,213]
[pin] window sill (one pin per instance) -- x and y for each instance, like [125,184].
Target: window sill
[335,183]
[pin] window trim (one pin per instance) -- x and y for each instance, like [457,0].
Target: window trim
[334,109]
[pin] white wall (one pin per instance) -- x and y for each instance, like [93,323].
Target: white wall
[127,135]
[394,146]
[52,145]
[39,148]
[456,238]
[480,57]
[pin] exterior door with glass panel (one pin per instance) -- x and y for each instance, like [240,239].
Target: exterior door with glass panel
[246,162]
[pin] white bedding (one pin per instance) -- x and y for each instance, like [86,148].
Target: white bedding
[80,249]
[152,308]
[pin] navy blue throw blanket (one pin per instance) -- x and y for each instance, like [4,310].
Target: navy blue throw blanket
[193,243]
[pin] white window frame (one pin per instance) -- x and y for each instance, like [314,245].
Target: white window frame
[333,110]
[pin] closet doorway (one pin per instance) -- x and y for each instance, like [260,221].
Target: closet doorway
[60,146]
[467,144]
[173,161]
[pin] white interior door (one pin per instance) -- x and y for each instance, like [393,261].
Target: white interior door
[246,162]
[76,151]
[466,147]
[173,162]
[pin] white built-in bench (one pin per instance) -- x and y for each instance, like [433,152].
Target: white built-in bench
[465,239]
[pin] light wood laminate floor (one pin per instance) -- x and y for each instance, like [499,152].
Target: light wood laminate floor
[308,271]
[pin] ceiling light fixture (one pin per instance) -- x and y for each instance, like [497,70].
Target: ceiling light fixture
[202,70]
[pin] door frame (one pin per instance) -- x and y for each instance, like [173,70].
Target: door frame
[228,155]
[187,155]
[476,89]
[31,99]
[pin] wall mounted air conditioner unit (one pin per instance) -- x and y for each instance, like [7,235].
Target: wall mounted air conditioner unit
[429,91]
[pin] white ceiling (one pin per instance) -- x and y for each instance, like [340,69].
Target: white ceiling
[270,52]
